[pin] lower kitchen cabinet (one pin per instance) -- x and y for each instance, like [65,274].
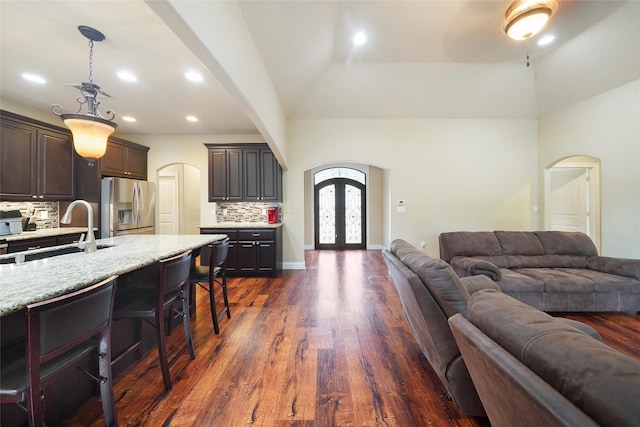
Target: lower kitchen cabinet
[252,252]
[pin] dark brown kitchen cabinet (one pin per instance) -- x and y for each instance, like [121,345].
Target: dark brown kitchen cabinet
[262,176]
[252,252]
[124,159]
[36,159]
[247,172]
[225,175]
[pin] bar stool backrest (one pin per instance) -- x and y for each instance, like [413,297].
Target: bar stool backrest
[62,332]
[174,272]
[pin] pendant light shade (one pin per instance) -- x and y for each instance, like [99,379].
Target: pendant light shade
[91,130]
[525,18]
[90,135]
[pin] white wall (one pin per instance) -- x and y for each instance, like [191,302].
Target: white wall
[606,126]
[452,174]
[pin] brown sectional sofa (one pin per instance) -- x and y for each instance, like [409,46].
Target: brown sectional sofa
[531,369]
[431,292]
[549,270]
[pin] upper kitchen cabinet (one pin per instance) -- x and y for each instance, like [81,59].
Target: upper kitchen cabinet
[124,159]
[225,174]
[248,173]
[36,159]
[262,176]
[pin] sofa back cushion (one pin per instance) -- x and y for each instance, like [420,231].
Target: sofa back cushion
[599,380]
[468,243]
[438,276]
[425,318]
[519,243]
[566,243]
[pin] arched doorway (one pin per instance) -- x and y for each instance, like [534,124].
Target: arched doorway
[572,196]
[340,209]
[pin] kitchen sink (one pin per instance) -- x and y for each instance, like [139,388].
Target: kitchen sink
[53,252]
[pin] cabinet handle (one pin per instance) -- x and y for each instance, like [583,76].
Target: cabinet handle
[34,196]
[255,235]
[40,197]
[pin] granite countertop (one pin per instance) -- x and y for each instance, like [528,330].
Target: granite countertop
[39,280]
[44,232]
[242,225]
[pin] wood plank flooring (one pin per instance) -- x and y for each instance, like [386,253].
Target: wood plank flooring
[327,346]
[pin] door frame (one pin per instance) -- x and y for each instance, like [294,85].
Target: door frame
[593,165]
[340,244]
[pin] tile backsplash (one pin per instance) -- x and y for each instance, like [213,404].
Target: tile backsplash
[46,213]
[245,212]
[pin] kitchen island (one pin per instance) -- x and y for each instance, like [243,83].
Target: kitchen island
[131,257]
[33,281]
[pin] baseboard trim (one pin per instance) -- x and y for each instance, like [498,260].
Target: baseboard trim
[293,266]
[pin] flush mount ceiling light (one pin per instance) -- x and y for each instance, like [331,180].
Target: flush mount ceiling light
[91,130]
[525,18]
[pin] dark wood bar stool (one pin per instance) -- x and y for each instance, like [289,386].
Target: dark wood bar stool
[62,334]
[206,276]
[169,295]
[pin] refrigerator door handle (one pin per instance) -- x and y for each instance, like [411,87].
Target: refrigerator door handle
[141,206]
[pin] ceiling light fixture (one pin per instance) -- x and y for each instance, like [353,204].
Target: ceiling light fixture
[359,38]
[194,76]
[127,76]
[91,130]
[33,78]
[525,18]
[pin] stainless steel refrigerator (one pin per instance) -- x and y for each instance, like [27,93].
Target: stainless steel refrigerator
[127,207]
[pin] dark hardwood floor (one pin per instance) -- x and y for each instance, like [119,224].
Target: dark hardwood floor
[327,346]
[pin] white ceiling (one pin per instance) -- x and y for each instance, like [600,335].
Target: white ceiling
[423,59]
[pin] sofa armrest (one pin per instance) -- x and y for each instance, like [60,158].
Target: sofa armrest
[619,266]
[474,267]
[478,283]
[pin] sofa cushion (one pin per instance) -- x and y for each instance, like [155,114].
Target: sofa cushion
[605,282]
[519,243]
[558,280]
[599,380]
[512,281]
[566,243]
[468,243]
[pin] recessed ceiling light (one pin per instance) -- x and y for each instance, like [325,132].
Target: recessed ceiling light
[546,40]
[192,118]
[359,38]
[193,76]
[127,76]
[33,78]
[129,119]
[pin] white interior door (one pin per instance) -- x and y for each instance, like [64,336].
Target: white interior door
[168,204]
[568,198]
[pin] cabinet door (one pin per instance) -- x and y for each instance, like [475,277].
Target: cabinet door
[17,160]
[137,163]
[217,175]
[247,257]
[266,257]
[270,177]
[232,257]
[114,161]
[251,177]
[234,175]
[55,165]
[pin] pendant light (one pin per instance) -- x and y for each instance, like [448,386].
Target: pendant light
[91,130]
[525,18]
